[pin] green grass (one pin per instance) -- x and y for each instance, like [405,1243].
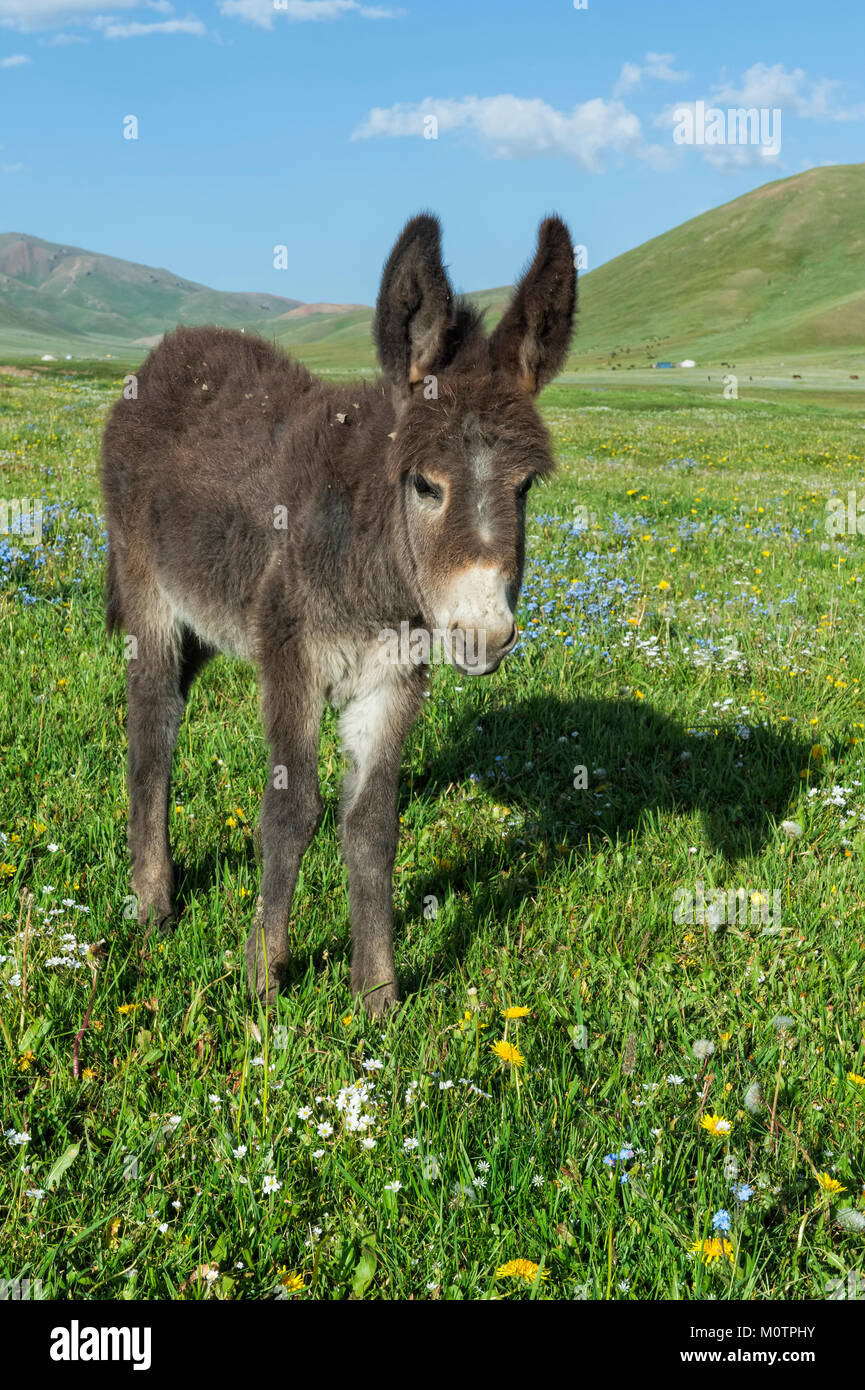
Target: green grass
[694,641]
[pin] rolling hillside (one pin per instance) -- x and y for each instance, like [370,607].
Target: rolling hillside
[61,295]
[780,270]
[778,273]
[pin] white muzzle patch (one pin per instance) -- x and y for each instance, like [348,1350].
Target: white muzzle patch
[478,621]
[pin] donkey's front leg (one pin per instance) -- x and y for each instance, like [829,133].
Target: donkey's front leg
[373,729]
[290,813]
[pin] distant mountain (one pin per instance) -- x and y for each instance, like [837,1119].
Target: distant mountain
[778,272]
[64,297]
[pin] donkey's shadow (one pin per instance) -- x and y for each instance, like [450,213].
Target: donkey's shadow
[567,794]
[637,762]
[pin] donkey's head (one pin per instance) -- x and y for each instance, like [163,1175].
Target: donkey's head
[469,442]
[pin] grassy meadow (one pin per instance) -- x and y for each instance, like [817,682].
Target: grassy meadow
[674,1110]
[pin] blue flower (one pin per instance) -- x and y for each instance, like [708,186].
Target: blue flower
[721,1221]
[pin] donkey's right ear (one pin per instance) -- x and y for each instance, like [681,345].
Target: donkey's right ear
[414,306]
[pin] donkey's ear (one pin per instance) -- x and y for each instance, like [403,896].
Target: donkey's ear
[414,306]
[531,341]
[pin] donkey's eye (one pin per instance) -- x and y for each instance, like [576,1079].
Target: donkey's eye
[423,488]
[523,489]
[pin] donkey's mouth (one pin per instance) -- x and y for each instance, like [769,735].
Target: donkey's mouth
[475,659]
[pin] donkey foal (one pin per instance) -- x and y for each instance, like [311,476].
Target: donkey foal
[255,510]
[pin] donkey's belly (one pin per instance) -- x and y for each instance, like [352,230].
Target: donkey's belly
[212,621]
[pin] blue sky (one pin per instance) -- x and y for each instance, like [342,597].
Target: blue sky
[303,126]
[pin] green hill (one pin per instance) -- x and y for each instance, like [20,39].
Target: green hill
[62,297]
[778,273]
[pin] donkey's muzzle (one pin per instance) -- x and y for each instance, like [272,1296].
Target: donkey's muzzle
[472,654]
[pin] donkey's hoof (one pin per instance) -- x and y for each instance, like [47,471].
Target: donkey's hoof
[158,916]
[378,999]
[265,971]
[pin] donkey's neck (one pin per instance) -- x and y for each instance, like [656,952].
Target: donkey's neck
[353,518]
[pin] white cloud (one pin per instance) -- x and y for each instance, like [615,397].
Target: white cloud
[27,15]
[510,127]
[134,30]
[15,60]
[793,92]
[657,67]
[263,12]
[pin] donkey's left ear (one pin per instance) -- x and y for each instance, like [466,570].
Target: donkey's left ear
[414,307]
[531,341]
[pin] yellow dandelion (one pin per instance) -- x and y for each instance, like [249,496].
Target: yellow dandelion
[664,584]
[7,870]
[717,1125]
[25,1061]
[508,1053]
[346,1020]
[855,1078]
[521,1269]
[291,1280]
[515,1011]
[715,1248]
[830,1184]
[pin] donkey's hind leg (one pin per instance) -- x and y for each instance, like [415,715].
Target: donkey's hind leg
[161,668]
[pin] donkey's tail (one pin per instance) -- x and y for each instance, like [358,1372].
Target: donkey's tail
[113,607]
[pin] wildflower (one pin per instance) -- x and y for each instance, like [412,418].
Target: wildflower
[270,1184]
[393,1186]
[240,1151]
[675,1080]
[742,1191]
[715,1248]
[25,1061]
[702,1049]
[664,584]
[409,1144]
[508,1053]
[716,1125]
[372,1064]
[791,828]
[516,1011]
[291,1280]
[855,1078]
[521,1269]
[753,1098]
[304,1112]
[721,1221]
[829,1184]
